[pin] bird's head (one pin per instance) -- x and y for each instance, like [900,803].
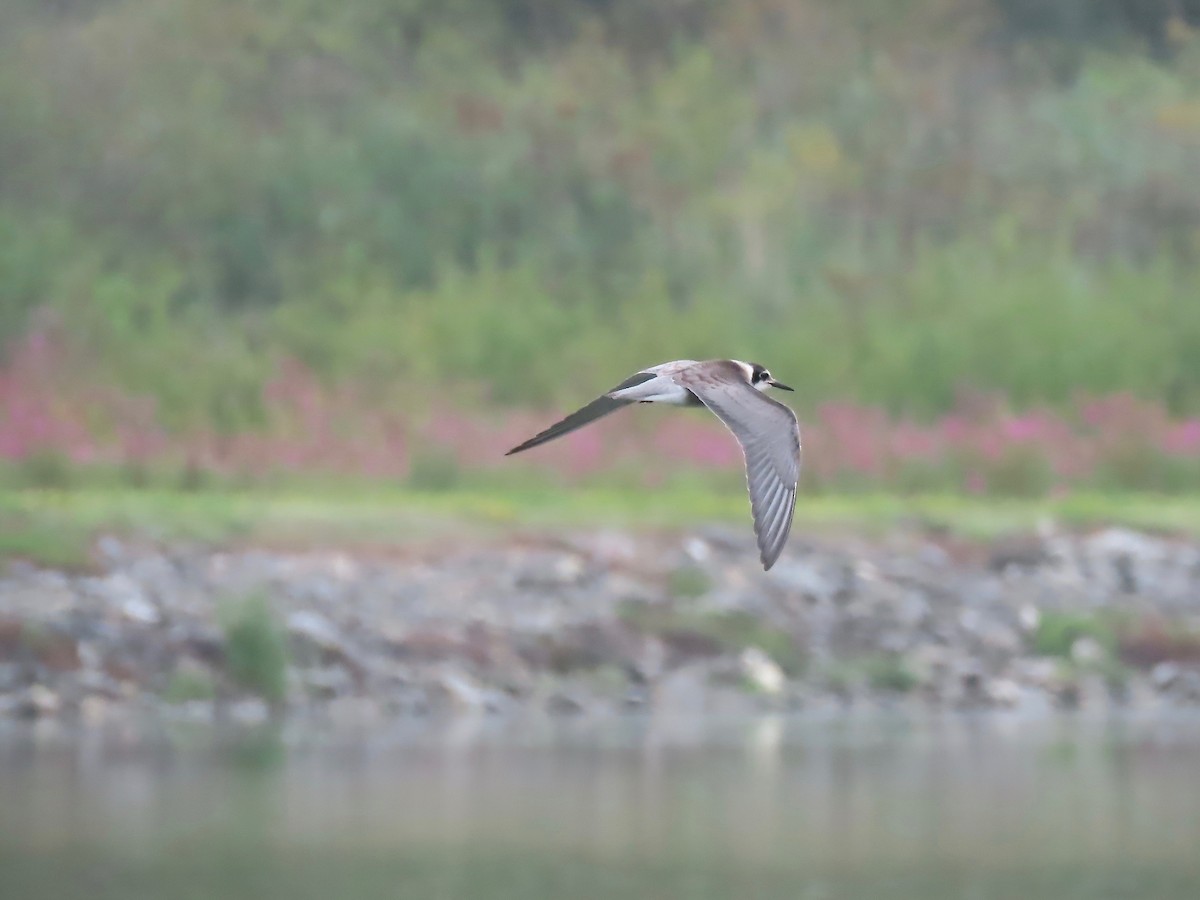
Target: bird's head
[761,379]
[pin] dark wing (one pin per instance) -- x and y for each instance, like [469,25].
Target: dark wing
[599,407]
[770,439]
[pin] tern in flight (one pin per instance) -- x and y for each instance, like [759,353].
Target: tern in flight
[733,391]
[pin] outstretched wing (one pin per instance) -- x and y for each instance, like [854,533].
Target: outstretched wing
[599,407]
[770,439]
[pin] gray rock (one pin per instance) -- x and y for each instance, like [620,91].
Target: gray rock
[459,691]
[327,682]
[931,657]
[94,683]
[204,641]
[95,709]
[1178,683]
[140,610]
[248,711]
[314,629]
[562,703]
[198,711]
[697,550]
[1165,675]
[606,548]
[1187,687]
[1087,651]
[933,556]
[618,588]
[355,712]
[1025,552]
[110,549]
[492,626]
[817,579]
[1126,561]
[548,571]
[1005,692]
[760,672]
[1114,543]
[971,688]
[648,659]
[37,701]
[1038,672]
[115,590]
[727,540]
[10,676]
[913,609]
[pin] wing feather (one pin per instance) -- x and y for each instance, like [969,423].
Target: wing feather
[770,438]
[601,406]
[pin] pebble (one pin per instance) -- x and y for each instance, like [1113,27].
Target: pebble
[248,711]
[139,609]
[761,672]
[314,628]
[460,691]
[583,621]
[1087,651]
[37,701]
[1164,675]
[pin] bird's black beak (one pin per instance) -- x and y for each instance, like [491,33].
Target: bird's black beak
[780,385]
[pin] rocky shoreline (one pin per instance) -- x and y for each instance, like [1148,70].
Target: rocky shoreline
[605,622]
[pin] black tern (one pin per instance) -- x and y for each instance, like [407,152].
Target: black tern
[767,430]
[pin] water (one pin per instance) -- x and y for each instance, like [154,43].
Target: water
[820,808]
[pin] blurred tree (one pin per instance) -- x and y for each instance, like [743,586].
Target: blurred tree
[863,187]
[1087,21]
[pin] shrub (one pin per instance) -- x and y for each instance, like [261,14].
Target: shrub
[255,648]
[185,686]
[1058,631]
[889,673]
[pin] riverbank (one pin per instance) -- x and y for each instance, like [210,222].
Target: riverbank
[575,620]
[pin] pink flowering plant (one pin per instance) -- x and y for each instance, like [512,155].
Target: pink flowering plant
[53,422]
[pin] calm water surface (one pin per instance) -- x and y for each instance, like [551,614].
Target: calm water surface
[860,807]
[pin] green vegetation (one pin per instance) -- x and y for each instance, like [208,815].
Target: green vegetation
[882,199]
[888,672]
[882,672]
[434,471]
[45,469]
[44,539]
[1057,632]
[56,528]
[689,582]
[186,685]
[1113,671]
[255,648]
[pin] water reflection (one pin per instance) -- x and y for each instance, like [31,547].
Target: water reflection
[474,808]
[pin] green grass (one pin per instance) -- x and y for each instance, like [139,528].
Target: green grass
[185,686]
[1057,632]
[689,582]
[884,672]
[890,673]
[54,527]
[255,648]
[46,540]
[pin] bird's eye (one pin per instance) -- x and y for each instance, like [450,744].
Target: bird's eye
[764,375]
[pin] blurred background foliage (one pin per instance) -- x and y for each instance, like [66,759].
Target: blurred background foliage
[890,202]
